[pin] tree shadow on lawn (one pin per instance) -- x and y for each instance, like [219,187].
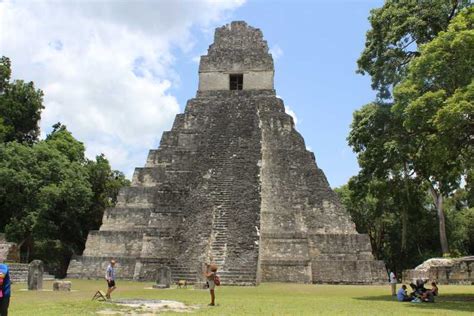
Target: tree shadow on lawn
[455,302]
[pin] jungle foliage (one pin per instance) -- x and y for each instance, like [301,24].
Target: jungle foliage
[414,192]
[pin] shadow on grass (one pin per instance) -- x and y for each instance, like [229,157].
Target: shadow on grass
[455,302]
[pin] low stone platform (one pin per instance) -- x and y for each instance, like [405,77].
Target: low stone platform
[443,271]
[19,273]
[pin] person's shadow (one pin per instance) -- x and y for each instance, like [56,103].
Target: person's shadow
[455,302]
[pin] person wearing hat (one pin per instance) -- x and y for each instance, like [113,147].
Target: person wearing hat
[210,276]
[110,277]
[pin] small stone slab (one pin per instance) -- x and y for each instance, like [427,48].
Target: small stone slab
[35,275]
[164,278]
[62,286]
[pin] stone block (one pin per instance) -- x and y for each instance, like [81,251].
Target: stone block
[35,275]
[62,286]
[164,278]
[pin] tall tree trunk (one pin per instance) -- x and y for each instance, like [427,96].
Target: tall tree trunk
[405,209]
[404,230]
[438,202]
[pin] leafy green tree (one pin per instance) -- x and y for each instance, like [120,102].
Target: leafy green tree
[374,205]
[438,85]
[397,30]
[460,223]
[20,107]
[382,145]
[51,196]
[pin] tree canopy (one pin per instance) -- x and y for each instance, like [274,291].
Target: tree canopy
[20,107]
[397,30]
[419,144]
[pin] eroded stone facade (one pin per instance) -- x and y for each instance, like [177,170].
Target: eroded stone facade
[231,183]
[443,271]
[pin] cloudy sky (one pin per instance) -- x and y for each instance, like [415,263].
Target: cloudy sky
[117,72]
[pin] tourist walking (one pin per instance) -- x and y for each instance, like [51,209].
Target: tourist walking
[211,277]
[110,277]
[5,290]
[393,283]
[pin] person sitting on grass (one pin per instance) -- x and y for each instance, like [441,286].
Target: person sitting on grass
[429,295]
[110,277]
[434,288]
[210,276]
[402,295]
[418,288]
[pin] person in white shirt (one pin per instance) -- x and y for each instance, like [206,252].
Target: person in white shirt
[393,283]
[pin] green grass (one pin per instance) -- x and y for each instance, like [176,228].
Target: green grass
[266,299]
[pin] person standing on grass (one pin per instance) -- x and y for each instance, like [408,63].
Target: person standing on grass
[5,290]
[110,277]
[211,275]
[393,283]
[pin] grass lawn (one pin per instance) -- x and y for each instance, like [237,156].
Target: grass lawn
[266,299]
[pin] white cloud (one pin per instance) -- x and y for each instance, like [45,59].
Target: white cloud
[276,52]
[106,67]
[291,113]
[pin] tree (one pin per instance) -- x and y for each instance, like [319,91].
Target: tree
[20,107]
[397,30]
[374,205]
[382,145]
[51,196]
[437,88]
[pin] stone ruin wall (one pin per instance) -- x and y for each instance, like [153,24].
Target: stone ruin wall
[232,183]
[306,235]
[449,271]
[9,251]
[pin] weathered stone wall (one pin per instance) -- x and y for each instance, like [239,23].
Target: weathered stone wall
[253,80]
[304,228]
[9,251]
[237,48]
[446,271]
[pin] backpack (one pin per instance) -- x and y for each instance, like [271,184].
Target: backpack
[1,286]
[217,280]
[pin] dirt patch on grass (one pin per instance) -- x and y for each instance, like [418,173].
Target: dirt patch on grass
[146,307]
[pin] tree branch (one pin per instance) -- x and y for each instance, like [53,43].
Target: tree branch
[453,10]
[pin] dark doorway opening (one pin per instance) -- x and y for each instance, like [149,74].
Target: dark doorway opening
[236,81]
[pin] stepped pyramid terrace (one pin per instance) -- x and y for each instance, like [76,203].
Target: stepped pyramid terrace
[231,183]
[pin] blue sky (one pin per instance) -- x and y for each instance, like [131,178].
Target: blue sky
[320,42]
[117,72]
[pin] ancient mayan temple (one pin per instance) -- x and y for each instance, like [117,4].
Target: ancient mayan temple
[233,183]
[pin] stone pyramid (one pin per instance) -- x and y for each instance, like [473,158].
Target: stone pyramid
[231,183]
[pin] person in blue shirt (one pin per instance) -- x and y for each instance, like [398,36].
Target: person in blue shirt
[5,289]
[402,294]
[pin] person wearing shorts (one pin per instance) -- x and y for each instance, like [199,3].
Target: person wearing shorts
[210,275]
[110,278]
